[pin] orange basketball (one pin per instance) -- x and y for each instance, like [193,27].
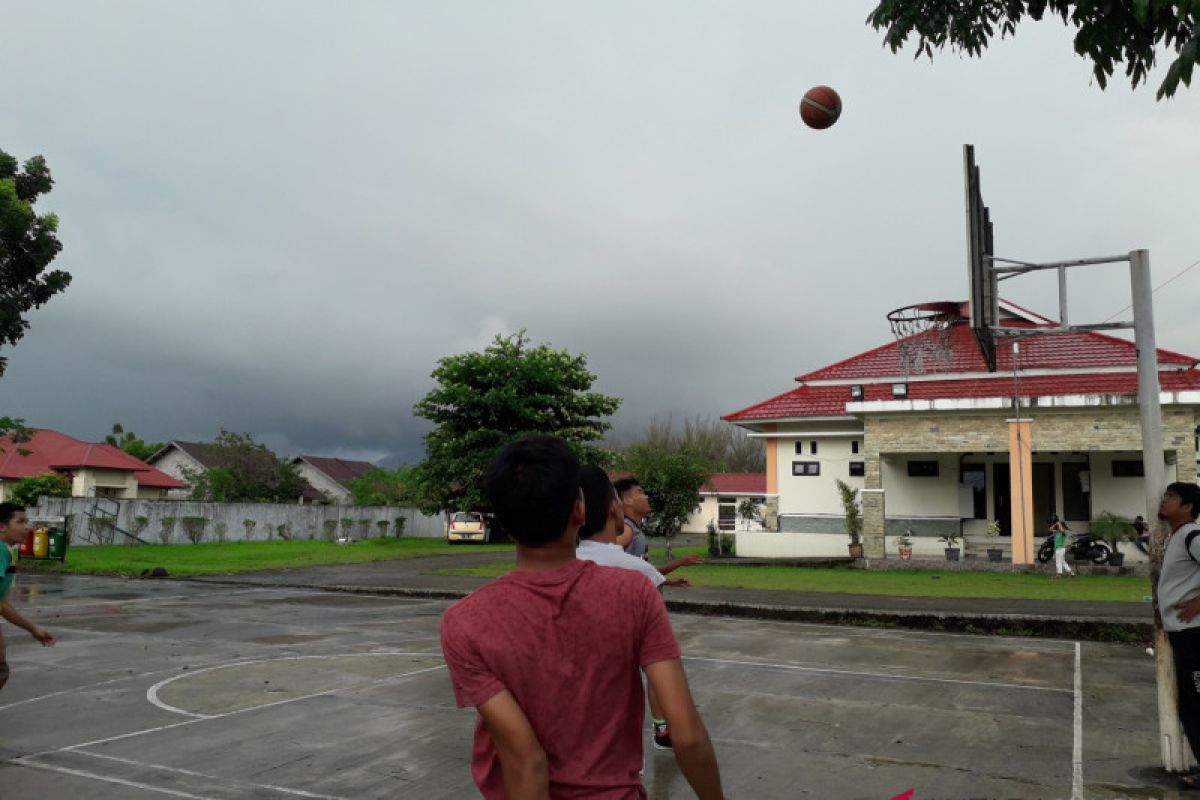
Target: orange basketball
[820,107]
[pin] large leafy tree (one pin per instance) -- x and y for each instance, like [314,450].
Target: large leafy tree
[130,443]
[28,243]
[485,400]
[244,471]
[385,487]
[671,479]
[1108,32]
[26,491]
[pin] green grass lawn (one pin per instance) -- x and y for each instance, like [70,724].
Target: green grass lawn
[899,583]
[213,557]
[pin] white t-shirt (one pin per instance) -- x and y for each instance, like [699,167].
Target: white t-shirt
[613,555]
[1180,578]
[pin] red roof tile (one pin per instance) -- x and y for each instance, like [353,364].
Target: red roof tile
[740,483]
[51,451]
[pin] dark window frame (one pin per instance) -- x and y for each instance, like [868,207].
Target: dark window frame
[858,469]
[1128,468]
[924,468]
[807,469]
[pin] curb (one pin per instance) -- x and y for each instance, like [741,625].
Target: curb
[1075,628]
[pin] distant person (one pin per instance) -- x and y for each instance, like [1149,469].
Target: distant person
[598,543]
[1059,530]
[1142,534]
[551,670]
[1179,603]
[14,527]
[636,507]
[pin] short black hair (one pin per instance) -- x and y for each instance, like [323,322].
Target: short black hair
[532,486]
[7,510]
[1188,493]
[623,485]
[597,499]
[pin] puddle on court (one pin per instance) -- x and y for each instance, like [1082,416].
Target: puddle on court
[340,600]
[284,638]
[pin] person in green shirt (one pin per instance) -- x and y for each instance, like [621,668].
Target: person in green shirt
[1058,529]
[14,527]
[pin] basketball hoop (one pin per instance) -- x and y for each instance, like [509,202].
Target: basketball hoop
[924,334]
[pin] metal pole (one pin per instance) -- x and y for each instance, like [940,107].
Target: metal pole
[1175,755]
[1062,297]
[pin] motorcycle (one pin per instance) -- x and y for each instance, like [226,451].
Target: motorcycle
[1083,547]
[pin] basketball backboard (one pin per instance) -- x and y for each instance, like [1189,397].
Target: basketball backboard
[984,300]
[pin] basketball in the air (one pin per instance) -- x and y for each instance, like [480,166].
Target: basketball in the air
[820,107]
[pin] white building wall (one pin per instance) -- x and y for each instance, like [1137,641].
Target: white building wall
[323,483]
[817,494]
[920,497]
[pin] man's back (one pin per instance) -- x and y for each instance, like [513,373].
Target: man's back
[555,641]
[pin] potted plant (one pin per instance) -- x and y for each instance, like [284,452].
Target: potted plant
[993,531]
[854,520]
[952,550]
[1113,528]
[904,544]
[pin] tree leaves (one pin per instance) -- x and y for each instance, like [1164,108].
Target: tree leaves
[1109,32]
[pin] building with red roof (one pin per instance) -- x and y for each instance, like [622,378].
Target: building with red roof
[95,470]
[927,445]
[720,498]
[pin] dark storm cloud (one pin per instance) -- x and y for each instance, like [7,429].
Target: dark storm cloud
[279,216]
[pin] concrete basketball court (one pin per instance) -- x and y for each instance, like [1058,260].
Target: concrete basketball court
[177,689]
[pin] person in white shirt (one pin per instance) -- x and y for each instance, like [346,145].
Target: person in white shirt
[1179,604]
[604,516]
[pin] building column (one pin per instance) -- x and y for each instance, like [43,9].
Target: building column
[771,506]
[873,509]
[1020,478]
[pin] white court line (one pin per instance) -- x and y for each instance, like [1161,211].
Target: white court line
[152,692]
[177,770]
[1077,750]
[79,773]
[882,675]
[901,633]
[74,689]
[194,720]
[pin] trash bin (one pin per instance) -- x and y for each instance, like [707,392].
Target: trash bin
[41,543]
[26,548]
[58,544]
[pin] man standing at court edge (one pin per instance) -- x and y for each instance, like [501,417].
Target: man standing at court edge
[553,673]
[1179,602]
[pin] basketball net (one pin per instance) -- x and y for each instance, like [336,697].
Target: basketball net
[924,335]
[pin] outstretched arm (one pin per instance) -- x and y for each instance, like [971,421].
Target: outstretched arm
[17,618]
[689,738]
[625,536]
[674,564]
[522,759]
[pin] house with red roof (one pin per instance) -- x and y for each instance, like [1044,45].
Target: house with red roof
[95,470]
[928,448]
[719,500]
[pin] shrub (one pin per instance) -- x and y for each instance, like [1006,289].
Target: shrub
[284,531]
[221,529]
[714,539]
[102,529]
[139,526]
[194,528]
[249,525]
[347,526]
[850,507]
[382,525]
[729,543]
[364,528]
[399,522]
[330,528]
[166,529]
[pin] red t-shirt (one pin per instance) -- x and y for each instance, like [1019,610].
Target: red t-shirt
[568,645]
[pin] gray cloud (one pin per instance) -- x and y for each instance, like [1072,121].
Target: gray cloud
[280,216]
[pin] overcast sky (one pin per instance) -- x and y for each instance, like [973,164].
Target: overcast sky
[279,215]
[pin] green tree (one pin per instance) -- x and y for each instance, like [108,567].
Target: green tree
[130,443]
[244,471]
[671,478]
[384,487]
[26,491]
[485,400]
[1108,32]
[28,243]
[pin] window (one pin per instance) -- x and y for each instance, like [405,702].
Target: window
[858,469]
[806,468]
[1128,469]
[799,448]
[975,476]
[900,390]
[854,446]
[1077,490]
[856,392]
[812,447]
[726,514]
[922,469]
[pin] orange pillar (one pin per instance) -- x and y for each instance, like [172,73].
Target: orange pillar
[772,461]
[1020,476]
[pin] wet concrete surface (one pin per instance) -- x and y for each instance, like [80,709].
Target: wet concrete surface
[189,689]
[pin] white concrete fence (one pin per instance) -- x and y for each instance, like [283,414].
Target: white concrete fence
[159,520]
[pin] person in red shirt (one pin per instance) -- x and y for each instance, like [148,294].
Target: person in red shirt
[551,671]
